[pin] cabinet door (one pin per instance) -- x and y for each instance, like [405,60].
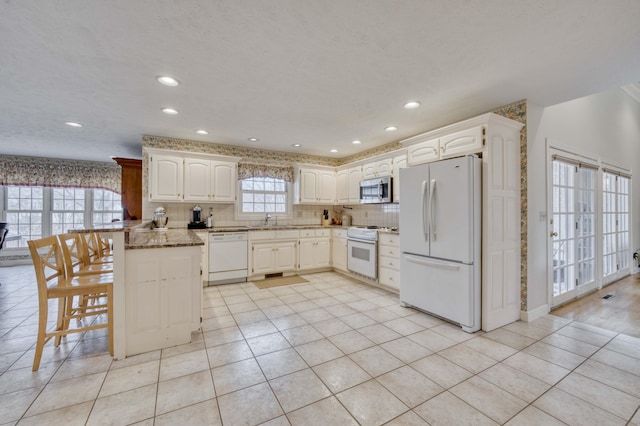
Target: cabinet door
[143,283]
[166,178]
[262,258]
[399,162]
[369,171]
[339,246]
[223,181]
[355,176]
[342,186]
[423,152]
[306,253]
[285,257]
[322,252]
[384,167]
[180,304]
[326,186]
[308,186]
[196,179]
[464,142]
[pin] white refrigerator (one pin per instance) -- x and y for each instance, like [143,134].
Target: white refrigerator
[440,239]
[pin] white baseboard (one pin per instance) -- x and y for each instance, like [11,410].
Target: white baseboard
[538,312]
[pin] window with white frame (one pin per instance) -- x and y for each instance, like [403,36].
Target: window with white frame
[262,195]
[68,208]
[615,226]
[34,212]
[24,213]
[107,207]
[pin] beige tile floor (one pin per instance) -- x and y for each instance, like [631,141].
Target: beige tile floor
[329,352]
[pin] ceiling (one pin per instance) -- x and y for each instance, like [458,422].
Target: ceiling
[317,73]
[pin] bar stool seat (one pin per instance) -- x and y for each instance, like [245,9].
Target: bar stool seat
[53,283]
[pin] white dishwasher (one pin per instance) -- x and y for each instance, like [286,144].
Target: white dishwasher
[228,256]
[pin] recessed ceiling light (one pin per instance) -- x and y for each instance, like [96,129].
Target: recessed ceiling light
[412,105]
[168,81]
[170,111]
[202,132]
[391,128]
[334,150]
[73,124]
[356,142]
[296,145]
[253,139]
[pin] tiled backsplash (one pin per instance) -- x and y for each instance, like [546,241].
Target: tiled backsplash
[180,214]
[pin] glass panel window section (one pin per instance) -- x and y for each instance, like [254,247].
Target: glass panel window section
[24,214]
[68,208]
[263,195]
[107,207]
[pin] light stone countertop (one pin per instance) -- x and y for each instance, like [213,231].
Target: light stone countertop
[148,238]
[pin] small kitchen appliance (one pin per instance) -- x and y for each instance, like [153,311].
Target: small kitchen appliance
[376,191]
[197,222]
[160,219]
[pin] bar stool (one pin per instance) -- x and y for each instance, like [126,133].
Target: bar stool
[53,283]
[76,256]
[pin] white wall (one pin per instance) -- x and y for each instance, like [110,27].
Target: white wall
[605,126]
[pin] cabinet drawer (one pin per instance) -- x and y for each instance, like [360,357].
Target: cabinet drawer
[390,251]
[389,239]
[390,277]
[324,232]
[287,234]
[262,235]
[389,262]
[339,233]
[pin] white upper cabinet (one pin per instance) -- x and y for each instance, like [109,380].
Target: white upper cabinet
[464,142]
[425,148]
[348,185]
[423,152]
[315,186]
[223,181]
[165,177]
[355,176]
[342,186]
[189,177]
[209,180]
[379,168]
[197,176]
[399,162]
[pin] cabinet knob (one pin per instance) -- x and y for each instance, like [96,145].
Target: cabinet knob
[554,234]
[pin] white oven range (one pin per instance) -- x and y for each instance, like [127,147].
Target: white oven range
[362,250]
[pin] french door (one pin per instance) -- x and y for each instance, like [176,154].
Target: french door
[615,226]
[573,234]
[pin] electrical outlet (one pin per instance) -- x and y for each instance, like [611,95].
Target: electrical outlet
[366,214]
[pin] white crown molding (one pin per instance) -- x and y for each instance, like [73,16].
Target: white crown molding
[633,90]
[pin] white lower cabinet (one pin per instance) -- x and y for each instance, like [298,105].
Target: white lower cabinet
[163,297]
[315,249]
[204,260]
[389,260]
[339,249]
[273,251]
[273,257]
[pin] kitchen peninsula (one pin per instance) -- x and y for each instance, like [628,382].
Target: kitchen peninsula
[157,290]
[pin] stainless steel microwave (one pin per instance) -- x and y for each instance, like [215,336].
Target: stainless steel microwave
[376,190]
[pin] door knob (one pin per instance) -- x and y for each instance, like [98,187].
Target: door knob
[554,234]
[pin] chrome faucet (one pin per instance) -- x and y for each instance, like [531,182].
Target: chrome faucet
[266,219]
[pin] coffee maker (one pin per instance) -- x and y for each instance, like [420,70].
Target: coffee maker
[196,222]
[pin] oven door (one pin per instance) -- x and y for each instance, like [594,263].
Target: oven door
[362,258]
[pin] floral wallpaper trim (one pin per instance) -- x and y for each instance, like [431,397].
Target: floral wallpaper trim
[39,171]
[246,153]
[248,170]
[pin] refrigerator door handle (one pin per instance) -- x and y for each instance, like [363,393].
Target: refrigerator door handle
[432,222]
[425,226]
[429,262]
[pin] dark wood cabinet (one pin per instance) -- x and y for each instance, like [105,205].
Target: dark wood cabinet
[131,187]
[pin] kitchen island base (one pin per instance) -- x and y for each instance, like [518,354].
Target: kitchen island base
[163,297]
